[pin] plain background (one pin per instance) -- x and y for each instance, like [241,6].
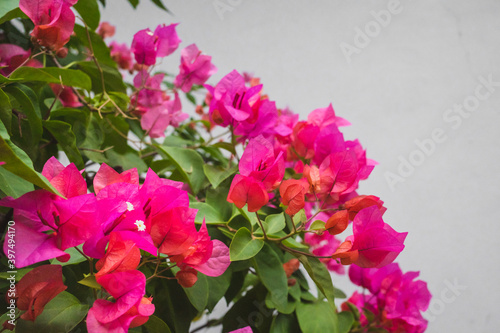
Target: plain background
[399,88]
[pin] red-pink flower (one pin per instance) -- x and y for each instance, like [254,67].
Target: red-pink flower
[247,190]
[106,175]
[232,102]
[67,180]
[130,306]
[373,243]
[106,30]
[148,45]
[54,21]
[122,55]
[293,193]
[66,95]
[37,288]
[13,56]
[195,68]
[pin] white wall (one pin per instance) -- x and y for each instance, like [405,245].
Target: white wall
[395,91]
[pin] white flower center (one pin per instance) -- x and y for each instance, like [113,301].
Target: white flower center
[130,207]
[140,225]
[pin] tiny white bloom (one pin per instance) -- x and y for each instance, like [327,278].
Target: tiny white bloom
[140,225]
[130,207]
[150,33]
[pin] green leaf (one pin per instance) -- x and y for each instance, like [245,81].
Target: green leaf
[12,185]
[270,271]
[68,77]
[61,314]
[217,175]
[156,325]
[244,246]
[113,80]
[160,4]
[89,10]
[189,163]
[15,13]
[75,257]
[128,160]
[346,319]
[321,277]
[90,281]
[29,104]
[316,317]
[225,145]
[273,224]
[285,323]
[198,293]
[5,111]
[6,6]
[317,225]
[65,137]
[207,212]
[17,162]
[101,50]
[217,287]
[134,3]
[300,218]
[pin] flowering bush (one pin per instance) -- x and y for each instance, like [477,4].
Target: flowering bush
[159,214]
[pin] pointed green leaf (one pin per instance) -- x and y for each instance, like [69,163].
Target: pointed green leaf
[316,317]
[270,271]
[198,294]
[273,224]
[217,175]
[244,246]
[189,163]
[156,325]
[285,323]
[29,104]
[68,77]
[12,185]
[205,212]
[346,319]
[5,111]
[89,11]
[101,50]
[61,314]
[65,137]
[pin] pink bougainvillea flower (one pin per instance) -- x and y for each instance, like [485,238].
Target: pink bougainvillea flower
[303,138]
[122,55]
[67,180]
[106,175]
[231,100]
[54,21]
[246,329]
[293,193]
[323,117]
[264,124]
[397,299]
[156,120]
[338,172]
[259,162]
[247,190]
[148,45]
[328,141]
[13,56]
[66,95]
[37,288]
[106,30]
[121,255]
[187,277]
[127,288]
[373,244]
[195,68]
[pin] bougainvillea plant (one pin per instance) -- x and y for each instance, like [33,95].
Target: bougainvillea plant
[139,206]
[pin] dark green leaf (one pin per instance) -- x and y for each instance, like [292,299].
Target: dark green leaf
[346,319]
[134,3]
[113,80]
[5,111]
[217,175]
[6,9]
[316,317]
[189,163]
[66,77]
[244,246]
[101,50]
[270,271]
[29,104]
[89,10]
[160,4]
[156,325]
[226,146]
[198,294]
[273,224]
[17,162]
[321,277]
[12,185]
[206,212]
[217,287]
[285,323]
[129,160]
[65,137]
[61,314]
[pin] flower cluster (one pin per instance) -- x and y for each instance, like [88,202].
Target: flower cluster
[395,302]
[113,225]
